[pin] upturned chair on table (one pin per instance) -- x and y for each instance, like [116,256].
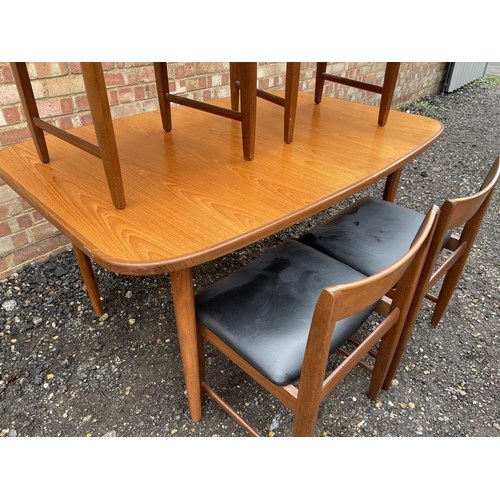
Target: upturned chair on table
[386,90]
[281,316]
[371,234]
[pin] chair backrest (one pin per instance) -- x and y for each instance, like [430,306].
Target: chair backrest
[469,211]
[341,301]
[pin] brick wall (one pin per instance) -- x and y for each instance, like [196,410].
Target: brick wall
[25,236]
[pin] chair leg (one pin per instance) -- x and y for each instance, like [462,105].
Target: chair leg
[233,78]
[248,89]
[390,80]
[161,78]
[291,95]
[320,81]
[95,86]
[383,360]
[23,84]
[201,364]
[89,279]
[447,288]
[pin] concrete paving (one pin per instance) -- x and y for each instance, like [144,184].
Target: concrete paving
[493,68]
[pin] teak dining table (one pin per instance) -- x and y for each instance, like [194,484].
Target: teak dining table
[192,197]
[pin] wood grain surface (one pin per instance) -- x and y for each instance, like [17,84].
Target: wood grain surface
[192,197]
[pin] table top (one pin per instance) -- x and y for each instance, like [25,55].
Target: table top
[192,197]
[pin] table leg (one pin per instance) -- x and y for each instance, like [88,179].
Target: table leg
[89,279]
[391,185]
[183,297]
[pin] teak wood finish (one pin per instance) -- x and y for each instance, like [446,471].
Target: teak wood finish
[289,102]
[247,74]
[192,197]
[454,213]
[386,90]
[334,304]
[99,107]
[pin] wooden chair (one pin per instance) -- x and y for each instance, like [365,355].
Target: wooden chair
[280,317]
[371,234]
[106,148]
[289,102]
[386,90]
[247,73]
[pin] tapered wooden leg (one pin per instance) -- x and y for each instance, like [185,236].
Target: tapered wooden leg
[161,78]
[23,84]
[235,93]
[248,89]
[320,82]
[183,297]
[449,284]
[391,185]
[291,96]
[101,116]
[89,279]
[385,355]
[390,80]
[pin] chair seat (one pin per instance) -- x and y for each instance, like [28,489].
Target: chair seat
[264,310]
[368,236]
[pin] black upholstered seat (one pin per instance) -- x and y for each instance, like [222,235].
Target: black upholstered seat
[264,310]
[369,235]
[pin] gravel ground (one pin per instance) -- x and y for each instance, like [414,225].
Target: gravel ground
[65,373]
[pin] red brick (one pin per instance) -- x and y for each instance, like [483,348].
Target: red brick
[41,231]
[50,108]
[67,106]
[131,78]
[108,65]
[26,206]
[75,67]
[113,97]
[10,116]
[6,74]
[85,119]
[47,69]
[61,86]
[205,67]
[7,194]
[20,223]
[30,252]
[126,94]
[139,93]
[114,79]
[20,239]
[66,123]
[147,74]
[82,103]
[5,229]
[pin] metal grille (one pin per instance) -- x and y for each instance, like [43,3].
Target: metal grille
[461,73]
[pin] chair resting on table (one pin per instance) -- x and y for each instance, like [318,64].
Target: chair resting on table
[281,316]
[371,234]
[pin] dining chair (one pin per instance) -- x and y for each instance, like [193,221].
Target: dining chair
[386,89]
[371,234]
[289,102]
[247,74]
[105,149]
[280,317]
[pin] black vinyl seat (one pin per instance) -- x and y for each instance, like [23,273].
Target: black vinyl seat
[264,310]
[368,236]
